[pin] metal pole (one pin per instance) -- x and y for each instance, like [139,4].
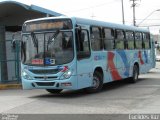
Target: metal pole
[134,5]
[123,13]
[134,18]
[18,60]
[3,57]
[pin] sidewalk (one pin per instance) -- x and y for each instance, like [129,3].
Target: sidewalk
[10,86]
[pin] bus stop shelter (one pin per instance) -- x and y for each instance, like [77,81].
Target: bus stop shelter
[12,16]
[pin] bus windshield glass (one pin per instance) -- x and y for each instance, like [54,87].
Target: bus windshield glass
[47,48]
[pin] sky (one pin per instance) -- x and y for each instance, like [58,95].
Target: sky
[106,10]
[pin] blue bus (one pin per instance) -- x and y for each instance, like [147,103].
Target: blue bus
[72,53]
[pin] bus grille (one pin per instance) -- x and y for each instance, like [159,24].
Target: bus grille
[46,71]
[45,77]
[45,83]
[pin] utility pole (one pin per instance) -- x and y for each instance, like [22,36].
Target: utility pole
[134,16]
[123,13]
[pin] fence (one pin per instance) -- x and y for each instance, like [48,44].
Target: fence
[10,62]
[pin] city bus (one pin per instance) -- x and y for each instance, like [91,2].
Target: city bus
[70,53]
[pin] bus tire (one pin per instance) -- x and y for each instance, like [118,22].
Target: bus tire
[134,77]
[97,83]
[53,91]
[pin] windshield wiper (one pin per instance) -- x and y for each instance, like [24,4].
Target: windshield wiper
[51,39]
[35,41]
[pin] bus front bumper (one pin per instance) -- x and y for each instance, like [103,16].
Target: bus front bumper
[70,83]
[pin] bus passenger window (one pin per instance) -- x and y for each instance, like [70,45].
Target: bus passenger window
[146,40]
[108,35]
[119,41]
[95,38]
[138,40]
[130,39]
[84,39]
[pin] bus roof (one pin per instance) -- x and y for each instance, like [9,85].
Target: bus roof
[109,25]
[94,23]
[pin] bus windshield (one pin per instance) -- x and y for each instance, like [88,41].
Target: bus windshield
[47,48]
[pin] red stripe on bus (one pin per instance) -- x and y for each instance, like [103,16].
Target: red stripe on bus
[114,73]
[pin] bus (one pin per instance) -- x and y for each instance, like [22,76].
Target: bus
[70,53]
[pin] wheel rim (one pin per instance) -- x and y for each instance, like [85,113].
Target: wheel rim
[96,82]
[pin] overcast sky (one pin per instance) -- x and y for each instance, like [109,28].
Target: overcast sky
[105,10]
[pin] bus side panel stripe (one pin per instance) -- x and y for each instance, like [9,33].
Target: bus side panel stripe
[140,57]
[146,57]
[114,73]
[125,62]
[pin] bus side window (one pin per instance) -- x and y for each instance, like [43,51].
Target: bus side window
[119,39]
[96,38]
[108,35]
[83,49]
[146,41]
[138,40]
[130,39]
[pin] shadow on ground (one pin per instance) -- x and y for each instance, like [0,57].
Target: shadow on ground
[81,93]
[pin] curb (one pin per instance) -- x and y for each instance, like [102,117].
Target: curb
[10,86]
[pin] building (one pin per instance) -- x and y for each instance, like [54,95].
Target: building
[12,16]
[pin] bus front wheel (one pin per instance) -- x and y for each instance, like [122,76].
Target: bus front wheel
[97,83]
[54,90]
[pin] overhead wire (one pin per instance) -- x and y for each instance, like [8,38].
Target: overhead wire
[94,6]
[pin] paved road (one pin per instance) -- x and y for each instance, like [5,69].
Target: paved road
[117,97]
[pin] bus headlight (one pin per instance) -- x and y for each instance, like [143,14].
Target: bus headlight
[25,75]
[67,74]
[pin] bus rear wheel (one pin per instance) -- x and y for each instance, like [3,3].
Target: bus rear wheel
[54,90]
[134,77]
[97,83]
